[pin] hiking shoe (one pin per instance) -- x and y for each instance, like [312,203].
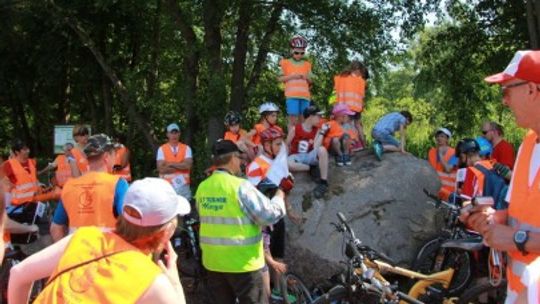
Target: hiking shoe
[314,172]
[378,150]
[339,160]
[357,146]
[347,159]
[320,190]
[277,296]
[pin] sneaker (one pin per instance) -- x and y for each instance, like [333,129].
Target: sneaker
[277,296]
[320,190]
[347,159]
[357,146]
[339,160]
[378,150]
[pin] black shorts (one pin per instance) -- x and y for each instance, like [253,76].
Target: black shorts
[277,240]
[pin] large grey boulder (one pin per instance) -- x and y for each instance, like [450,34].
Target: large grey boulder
[384,203]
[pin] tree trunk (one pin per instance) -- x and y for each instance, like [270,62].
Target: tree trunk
[240,50]
[152,76]
[532,23]
[107,104]
[128,102]
[190,68]
[213,15]
[271,28]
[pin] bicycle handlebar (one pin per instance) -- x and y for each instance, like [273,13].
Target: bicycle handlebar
[439,202]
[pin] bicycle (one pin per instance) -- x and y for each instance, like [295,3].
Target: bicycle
[433,257]
[360,282]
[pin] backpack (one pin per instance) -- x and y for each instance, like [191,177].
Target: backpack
[494,186]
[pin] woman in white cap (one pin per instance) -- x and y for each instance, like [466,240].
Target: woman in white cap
[92,266]
[439,158]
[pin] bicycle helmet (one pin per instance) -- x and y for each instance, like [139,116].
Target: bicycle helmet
[232,118]
[268,107]
[485,146]
[270,134]
[298,42]
[467,145]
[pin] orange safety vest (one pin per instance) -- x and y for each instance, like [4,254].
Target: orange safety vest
[63,170]
[261,171]
[480,177]
[7,240]
[234,137]
[259,128]
[82,162]
[89,199]
[448,180]
[179,157]
[524,214]
[126,171]
[296,88]
[112,271]
[350,90]
[335,131]
[27,183]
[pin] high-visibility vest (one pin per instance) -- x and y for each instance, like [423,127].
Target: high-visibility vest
[63,170]
[27,183]
[351,91]
[115,271]
[296,88]
[259,128]
[6,237]
[479,175]
[178,157]
[448,180]
[89,200]
[301,135]
[80,158]
[234,137]
[523,213]
[230,240]
[335,131]
[126,171]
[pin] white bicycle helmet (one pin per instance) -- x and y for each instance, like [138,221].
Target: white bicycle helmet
[268,107]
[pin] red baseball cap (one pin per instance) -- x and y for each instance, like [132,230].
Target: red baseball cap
[525,65]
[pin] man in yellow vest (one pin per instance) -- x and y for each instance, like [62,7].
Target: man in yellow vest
[92,266]
[93,199]
[439,158]
[174,160]
[517,229]
[232,212]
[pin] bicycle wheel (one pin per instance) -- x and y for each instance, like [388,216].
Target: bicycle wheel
[293,290]
[484,293]
[432,258]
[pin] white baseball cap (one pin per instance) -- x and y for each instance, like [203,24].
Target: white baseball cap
[444,131]
[156,202]
[173,127]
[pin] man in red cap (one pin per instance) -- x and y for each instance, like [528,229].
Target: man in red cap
[517,230]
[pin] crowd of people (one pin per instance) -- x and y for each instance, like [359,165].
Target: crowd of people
[107,232]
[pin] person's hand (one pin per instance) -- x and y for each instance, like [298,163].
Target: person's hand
[169,268]
[286,184]
[279,267]
[498,236]
[477,217]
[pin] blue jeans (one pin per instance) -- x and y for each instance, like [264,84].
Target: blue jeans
[385,138]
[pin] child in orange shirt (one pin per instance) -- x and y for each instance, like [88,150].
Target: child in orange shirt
[336,140]
[238,135]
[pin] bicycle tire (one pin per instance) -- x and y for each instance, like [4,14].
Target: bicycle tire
[293,286]
[483,293]
[425,262]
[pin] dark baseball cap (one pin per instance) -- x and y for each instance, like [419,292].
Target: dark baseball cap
[312,110]
[97,144]
[223,146]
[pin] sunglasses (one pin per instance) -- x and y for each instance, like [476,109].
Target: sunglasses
[485,131]
[299,53]
[505,88]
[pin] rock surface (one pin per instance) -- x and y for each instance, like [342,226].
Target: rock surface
[383,202]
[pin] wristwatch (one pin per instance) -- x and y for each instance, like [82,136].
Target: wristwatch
[520,239]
